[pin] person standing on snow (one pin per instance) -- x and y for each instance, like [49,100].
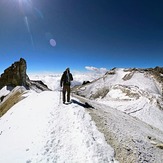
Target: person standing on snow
[66,82]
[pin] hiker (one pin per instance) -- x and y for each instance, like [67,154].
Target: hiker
[66,82]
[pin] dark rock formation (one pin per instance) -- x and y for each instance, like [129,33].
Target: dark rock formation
[111,72]
[14,75]
[37,85]
[85,82]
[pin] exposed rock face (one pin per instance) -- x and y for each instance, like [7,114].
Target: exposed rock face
[14,75]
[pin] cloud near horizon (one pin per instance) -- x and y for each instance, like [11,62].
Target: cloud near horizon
[98,70]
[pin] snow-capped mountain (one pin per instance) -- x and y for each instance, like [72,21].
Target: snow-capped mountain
[136,92]
[121,123]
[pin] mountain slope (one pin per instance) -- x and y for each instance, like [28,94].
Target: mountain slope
[127,110]
[136,92]
[132,140]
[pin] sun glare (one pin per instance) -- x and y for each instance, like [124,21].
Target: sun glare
[25,2]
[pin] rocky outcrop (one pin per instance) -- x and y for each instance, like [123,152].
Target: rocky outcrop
[85,82]
[17,82]
[37,86]
[158,73]
[15,75]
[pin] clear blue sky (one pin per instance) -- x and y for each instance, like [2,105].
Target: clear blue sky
[99,33]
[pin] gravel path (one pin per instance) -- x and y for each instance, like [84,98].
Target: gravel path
[133,140]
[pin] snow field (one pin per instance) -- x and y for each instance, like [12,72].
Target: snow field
[38,129]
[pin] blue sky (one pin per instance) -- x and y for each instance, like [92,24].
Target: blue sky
[99,33]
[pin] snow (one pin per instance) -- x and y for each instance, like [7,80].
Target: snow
[4,91]
[139,95]
[40,129]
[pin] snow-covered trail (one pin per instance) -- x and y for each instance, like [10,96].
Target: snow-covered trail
[38,129]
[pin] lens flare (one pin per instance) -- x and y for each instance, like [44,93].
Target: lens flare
[28,29]
[53,42]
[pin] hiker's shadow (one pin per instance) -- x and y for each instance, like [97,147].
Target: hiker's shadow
[85,105]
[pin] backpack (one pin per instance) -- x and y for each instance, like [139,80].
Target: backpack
[67,79]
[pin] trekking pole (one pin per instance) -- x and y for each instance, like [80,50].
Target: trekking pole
[60,97]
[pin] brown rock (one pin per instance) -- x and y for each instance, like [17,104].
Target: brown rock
[15,74]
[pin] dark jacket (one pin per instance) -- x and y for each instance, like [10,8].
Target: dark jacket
[66,79]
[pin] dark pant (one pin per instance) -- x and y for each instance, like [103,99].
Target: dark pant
[66,89]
